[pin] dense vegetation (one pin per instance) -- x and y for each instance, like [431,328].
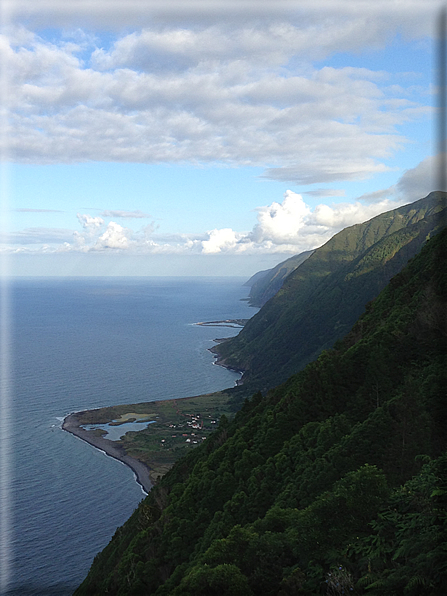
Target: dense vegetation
[324,296]
[265,284]
[333,483]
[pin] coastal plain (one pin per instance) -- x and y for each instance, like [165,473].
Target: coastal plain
[174,427]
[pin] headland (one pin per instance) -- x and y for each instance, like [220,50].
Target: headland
[174,427]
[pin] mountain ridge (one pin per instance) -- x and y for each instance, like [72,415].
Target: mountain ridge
[321,299]
[335,481]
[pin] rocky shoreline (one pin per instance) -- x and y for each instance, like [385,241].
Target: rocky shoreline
[233,323]
[142,472]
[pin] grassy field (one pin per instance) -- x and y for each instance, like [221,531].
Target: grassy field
[179,425]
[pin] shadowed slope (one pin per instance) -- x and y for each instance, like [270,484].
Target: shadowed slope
[338,475]
[324,296]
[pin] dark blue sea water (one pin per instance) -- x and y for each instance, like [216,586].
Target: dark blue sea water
[86,343]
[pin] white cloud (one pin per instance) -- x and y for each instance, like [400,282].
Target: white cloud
[292,226]
[115,236]
[89,222]
[91,226]
[214,91]
[286,227]
[219,241]
[281,223]
[342,215]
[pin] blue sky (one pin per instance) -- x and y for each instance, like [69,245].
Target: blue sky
[207,137]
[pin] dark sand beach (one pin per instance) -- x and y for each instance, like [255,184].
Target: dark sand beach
[71,424]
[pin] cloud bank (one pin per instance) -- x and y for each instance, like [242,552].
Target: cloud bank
[285,227]
[232,91]
[289,226]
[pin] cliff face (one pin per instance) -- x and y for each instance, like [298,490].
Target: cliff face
[322,298]
[335,480]
[265,284]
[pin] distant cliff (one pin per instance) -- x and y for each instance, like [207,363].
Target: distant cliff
[265,284]
[322,298]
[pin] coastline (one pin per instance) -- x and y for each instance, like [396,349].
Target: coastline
[178,426]
[218,361]
[233,323]
[142,471]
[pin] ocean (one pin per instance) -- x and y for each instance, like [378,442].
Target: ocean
[82,343]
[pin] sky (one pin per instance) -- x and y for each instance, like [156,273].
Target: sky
[207,137]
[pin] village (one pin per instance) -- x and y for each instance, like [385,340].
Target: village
[196,423]
[174,427]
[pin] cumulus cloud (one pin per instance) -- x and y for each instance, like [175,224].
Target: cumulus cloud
[340,216]
[281,223]
[219,241]
[95,237]
[291,226]
[115,236]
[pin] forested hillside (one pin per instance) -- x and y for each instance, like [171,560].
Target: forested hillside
[333,483]
[323,297]
[265,284]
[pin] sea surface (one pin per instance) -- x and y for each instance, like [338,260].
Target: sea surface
[81,343]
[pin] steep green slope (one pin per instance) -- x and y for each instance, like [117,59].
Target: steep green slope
[265,284]
[324,296]
[335,480]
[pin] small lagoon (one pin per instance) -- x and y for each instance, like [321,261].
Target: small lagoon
[116,431]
